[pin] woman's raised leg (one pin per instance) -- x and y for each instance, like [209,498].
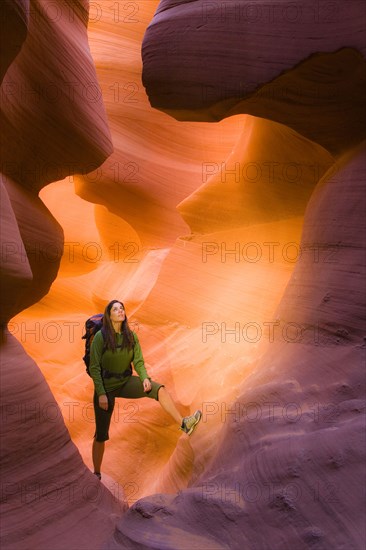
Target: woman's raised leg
[168,405]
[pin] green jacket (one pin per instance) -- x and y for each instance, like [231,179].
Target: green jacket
[117,362]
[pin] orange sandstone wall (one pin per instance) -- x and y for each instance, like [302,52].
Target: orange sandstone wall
[244,307]
[184,292]
[285,469]
[48,131]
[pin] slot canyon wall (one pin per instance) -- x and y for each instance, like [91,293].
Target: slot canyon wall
[203,161]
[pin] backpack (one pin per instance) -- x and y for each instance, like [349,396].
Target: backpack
[92,325]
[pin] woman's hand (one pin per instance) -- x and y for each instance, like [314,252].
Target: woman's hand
[147,385]
[103,402]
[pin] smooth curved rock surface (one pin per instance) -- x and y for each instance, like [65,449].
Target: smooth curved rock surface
[49,499]
[157,161]
[293,63]
[32,246]
[52,112]
[14,14]
[285,468]
[289,460]
[270,180]
[51,128]
[233,315]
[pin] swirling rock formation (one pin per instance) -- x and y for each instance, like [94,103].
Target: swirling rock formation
[50,129]
[54,122]
[292,63]
[14,32]
[197,227]
[287,465]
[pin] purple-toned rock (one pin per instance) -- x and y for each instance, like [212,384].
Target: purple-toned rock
[300,64]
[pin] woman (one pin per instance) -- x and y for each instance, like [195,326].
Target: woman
[113,349]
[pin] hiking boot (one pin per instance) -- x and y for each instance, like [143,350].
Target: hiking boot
[190,422]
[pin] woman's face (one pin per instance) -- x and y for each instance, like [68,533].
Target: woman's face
[117,313]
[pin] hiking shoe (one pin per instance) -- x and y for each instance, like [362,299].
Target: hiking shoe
[190,422]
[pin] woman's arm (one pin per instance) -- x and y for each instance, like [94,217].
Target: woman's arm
[138,361]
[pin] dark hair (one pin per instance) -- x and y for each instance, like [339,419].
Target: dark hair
[109,333]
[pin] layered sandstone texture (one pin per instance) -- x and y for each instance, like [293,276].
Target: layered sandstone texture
[228,217]
[286,471]
[49,499]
